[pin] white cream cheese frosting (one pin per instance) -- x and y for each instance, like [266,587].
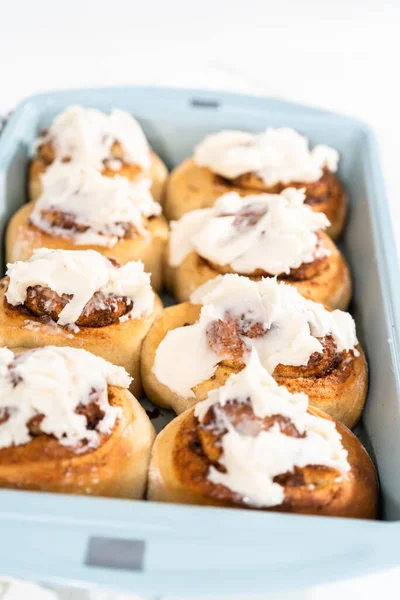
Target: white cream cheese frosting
[276,156]
[86,135]
[253,461]
[53,382]
[103,205]
[272,232]
[80,273]
[292,325]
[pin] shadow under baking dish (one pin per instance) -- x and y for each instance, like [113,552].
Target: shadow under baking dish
[169,549]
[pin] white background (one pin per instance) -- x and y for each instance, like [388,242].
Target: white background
[342,55]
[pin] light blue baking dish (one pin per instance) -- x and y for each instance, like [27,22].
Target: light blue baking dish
[155,548]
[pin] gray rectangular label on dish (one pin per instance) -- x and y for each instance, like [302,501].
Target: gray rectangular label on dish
[115,553]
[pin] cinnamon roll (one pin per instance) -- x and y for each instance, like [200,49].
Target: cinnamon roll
[79,299]
[68,424]
[254,444]
[193,347]
[114,144]
[258,236]
[247,163]
[80,208]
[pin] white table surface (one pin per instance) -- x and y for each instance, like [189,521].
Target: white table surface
[341,55]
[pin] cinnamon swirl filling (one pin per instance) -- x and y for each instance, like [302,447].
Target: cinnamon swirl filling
[113,165]
[64,394]
[58,220]
[78,288]
[46,152]
[248,216]
[327,188]
[264,235]
[101,310]
[199,448]
[241,417]
[90,410]
[226,337]
[294,337]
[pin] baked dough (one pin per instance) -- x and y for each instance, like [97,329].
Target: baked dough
[22,239]
[340,391]
[190,187]
[329,282]
[119,343]
[116,468]
[157,172]
[178,473]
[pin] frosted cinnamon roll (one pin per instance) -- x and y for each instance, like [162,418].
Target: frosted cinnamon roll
[250,163]
[79,209]
[68,424]
[79,299]
[254,444]
[262,235]
[114,144]
[193,347]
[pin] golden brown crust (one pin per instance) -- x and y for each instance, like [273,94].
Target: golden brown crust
[117,468]
[179,467]
[119,343]
[328,281]
[190,187]
[157,172]
[339,390]
[22,239]
[170,318]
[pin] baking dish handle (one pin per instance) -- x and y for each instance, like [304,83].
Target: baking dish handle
[207,100]
[141,547]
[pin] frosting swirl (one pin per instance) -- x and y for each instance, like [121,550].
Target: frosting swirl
[81,204]
[55,391]
[239,314]
[256,435]
[88,137]
[268,232]
[73,284]
[276,156]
